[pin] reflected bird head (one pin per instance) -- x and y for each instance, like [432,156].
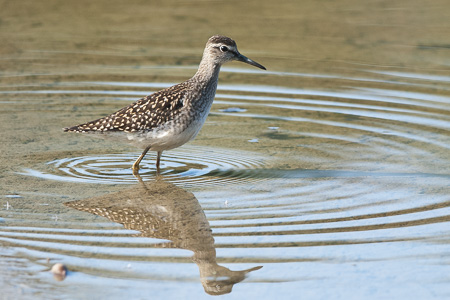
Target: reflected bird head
[221,280]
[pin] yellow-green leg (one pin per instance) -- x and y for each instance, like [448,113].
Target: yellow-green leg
[158,159]
[138,161]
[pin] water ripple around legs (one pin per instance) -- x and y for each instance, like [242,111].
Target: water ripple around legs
[188,165]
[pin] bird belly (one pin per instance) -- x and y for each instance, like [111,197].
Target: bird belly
[166,137]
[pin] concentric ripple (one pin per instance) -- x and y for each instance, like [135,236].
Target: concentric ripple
[355,177]
[189,165]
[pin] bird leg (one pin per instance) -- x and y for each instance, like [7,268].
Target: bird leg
[138,161]
[158,159]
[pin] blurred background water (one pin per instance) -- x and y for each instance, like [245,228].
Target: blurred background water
[326,176]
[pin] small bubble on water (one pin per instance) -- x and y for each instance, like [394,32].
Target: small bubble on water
[59,271]
[233,109]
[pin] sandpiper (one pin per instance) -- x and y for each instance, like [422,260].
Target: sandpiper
[173,116]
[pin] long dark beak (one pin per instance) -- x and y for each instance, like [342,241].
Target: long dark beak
[247,60]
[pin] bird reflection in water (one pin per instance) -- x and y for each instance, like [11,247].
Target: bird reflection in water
[159,209]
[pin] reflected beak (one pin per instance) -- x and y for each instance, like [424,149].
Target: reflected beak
[247,60]
[255,268]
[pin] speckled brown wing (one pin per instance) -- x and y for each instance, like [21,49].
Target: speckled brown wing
[142,115]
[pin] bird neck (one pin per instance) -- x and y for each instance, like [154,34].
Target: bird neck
[208,72]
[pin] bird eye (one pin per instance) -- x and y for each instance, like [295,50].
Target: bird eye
[223,48]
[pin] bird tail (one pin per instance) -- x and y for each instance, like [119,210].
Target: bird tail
[72,129]
[86,127]
[99,125]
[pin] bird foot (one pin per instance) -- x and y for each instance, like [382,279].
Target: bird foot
[135,170]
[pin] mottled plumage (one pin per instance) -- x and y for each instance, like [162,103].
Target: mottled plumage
[171,117]
[143,115]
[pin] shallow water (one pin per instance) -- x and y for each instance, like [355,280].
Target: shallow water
[326,176]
